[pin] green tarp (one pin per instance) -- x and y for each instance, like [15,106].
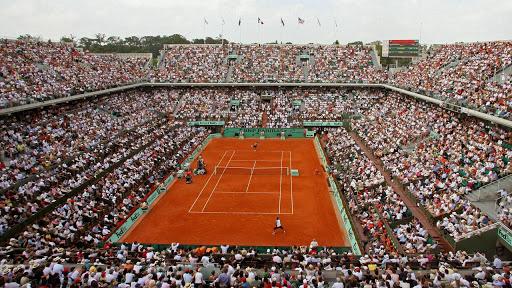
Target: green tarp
[267,132]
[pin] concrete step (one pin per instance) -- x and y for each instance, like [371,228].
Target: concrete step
[229,74]
[487,207]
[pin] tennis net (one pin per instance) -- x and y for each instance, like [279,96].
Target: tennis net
[253,171]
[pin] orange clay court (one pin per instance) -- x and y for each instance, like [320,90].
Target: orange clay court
[237,201]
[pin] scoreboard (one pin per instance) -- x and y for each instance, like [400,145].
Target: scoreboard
[400,48]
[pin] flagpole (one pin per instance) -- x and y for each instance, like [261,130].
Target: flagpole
[282,30]
[259,32]
[334,31]
[204,29]
[222,32]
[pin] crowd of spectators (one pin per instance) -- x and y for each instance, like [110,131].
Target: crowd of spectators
[439,156]
[86,219]
[268,63]
[66,149]
[135,265]
[334,63]
[281,108]
[193,63]
[463,74]
[33,71]
[375,204]
[102,157]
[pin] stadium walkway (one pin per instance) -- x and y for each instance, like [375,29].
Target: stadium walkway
[264,120]
[398,188]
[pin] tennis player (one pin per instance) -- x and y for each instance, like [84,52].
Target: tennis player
[254,146]
[278,226]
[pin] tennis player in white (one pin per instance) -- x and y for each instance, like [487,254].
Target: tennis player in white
[278,226]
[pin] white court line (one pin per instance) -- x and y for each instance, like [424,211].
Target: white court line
[280,182]
[249,192]
[258,151]
[251,160]
[250,168]
[211,175]
[291,180]
[218,180]
[242,212]
[250,177]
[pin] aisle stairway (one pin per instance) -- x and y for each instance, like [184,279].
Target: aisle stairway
[398,188]
[305,74]
[446,66]
[264,120]
[229,74]
[375,58]
[178,106]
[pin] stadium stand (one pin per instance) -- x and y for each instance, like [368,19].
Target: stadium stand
[38,71]
[461,73]
[72,173]
[268,63]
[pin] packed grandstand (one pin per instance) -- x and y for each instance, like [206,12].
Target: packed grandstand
[406,169]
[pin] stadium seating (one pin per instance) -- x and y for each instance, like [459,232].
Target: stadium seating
[268,63]
[71,174]
[462,73]
[37,71]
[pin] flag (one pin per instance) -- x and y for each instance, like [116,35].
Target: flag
[259,21]
[240,21]
[205,21]
[301,21]
[282,22]
[318,21]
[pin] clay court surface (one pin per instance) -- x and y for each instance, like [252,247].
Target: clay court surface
[237,202]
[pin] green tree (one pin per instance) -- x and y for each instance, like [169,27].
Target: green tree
[28,37]
[356,43]
[133,44]
[100,38]
[86,43]
[68,39]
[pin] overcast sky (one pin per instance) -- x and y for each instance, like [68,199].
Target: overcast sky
[431,21]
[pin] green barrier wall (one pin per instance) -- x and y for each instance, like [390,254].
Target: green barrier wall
[339,203]
[268,132]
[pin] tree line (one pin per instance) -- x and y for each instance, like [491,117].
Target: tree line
[102,43]
[133,44]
